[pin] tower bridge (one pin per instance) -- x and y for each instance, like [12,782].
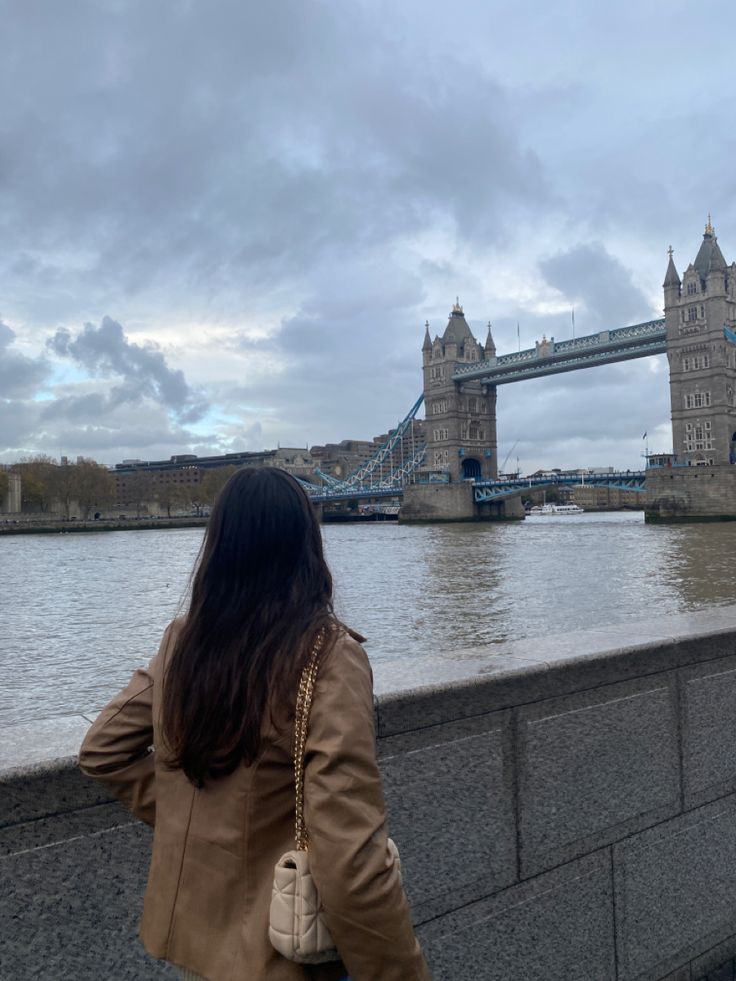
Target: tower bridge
[550,358]
[454,476]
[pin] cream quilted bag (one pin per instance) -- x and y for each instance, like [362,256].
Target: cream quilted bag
[297,928]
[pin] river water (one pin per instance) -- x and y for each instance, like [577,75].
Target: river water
[79,611]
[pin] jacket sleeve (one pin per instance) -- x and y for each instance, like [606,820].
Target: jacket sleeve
[117,749]
[359,886]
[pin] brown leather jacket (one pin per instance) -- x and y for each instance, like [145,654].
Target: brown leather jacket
[209,888]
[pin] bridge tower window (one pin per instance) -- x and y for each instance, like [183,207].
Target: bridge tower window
[692,288]
[692,313]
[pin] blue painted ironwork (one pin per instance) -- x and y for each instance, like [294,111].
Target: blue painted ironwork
[551,358]
[370,480]
[494,490]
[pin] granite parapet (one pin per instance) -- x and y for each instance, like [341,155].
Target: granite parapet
[565,809]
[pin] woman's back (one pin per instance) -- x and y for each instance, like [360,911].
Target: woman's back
[221,827]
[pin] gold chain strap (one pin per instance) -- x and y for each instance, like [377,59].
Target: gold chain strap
[301,724]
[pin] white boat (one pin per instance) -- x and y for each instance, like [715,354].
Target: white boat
[556,509]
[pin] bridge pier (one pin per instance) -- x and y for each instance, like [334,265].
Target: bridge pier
[454,502]
[675,494]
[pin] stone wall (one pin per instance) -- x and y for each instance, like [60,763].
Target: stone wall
[565,809]
[10,501]
[691,493]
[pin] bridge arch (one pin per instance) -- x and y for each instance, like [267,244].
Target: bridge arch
[471,468]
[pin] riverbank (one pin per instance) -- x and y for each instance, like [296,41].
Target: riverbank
[72,527]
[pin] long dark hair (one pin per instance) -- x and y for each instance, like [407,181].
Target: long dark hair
[260,594]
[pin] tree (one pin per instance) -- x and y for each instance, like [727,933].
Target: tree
[94,485]
[170,495]
[62,487]
[214,481]
[37,478]
[138,490]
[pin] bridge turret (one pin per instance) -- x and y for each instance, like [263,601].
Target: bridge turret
[702,357]
[427,346]
[672,283]
[460,416]
[716,278]
[489,348]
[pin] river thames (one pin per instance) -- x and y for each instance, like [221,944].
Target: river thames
[79,612]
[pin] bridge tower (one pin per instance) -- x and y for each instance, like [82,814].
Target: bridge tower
[460,415]
[700,316]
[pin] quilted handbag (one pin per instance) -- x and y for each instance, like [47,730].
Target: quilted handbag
[297,928]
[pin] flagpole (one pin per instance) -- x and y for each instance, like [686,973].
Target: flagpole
[518,335]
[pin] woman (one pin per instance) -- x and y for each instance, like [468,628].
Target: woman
[199,745]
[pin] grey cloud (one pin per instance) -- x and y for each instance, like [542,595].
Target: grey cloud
[212,154]
[587,274]
[19,374]
[105,350]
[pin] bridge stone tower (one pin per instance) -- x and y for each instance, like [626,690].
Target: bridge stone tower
[700,316]
[460,415]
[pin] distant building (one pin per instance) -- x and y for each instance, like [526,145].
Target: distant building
[343,458]
[187,470]
[597,497]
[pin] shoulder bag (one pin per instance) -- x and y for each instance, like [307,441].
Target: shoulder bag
[297,928]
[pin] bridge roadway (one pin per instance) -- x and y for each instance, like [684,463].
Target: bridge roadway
[551,358]
[494,490]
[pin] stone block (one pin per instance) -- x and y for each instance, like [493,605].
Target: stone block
[449,796]
[594,766]
[477,681]
[674,887]
[556,927]
[713,959]
[71,910]
[723,973]
[61,827]
[488,686]
[708,725]
[683,974]
[30,793]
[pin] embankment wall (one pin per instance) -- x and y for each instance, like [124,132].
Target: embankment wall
[565,809]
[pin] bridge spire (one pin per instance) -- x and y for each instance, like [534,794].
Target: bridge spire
[489,348]
[709,229]
[672,278]
[427,346]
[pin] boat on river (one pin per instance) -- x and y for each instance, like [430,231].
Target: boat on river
[544,509]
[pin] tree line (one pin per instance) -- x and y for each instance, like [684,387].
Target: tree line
[48,485]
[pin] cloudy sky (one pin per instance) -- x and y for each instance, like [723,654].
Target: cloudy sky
[225,223]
